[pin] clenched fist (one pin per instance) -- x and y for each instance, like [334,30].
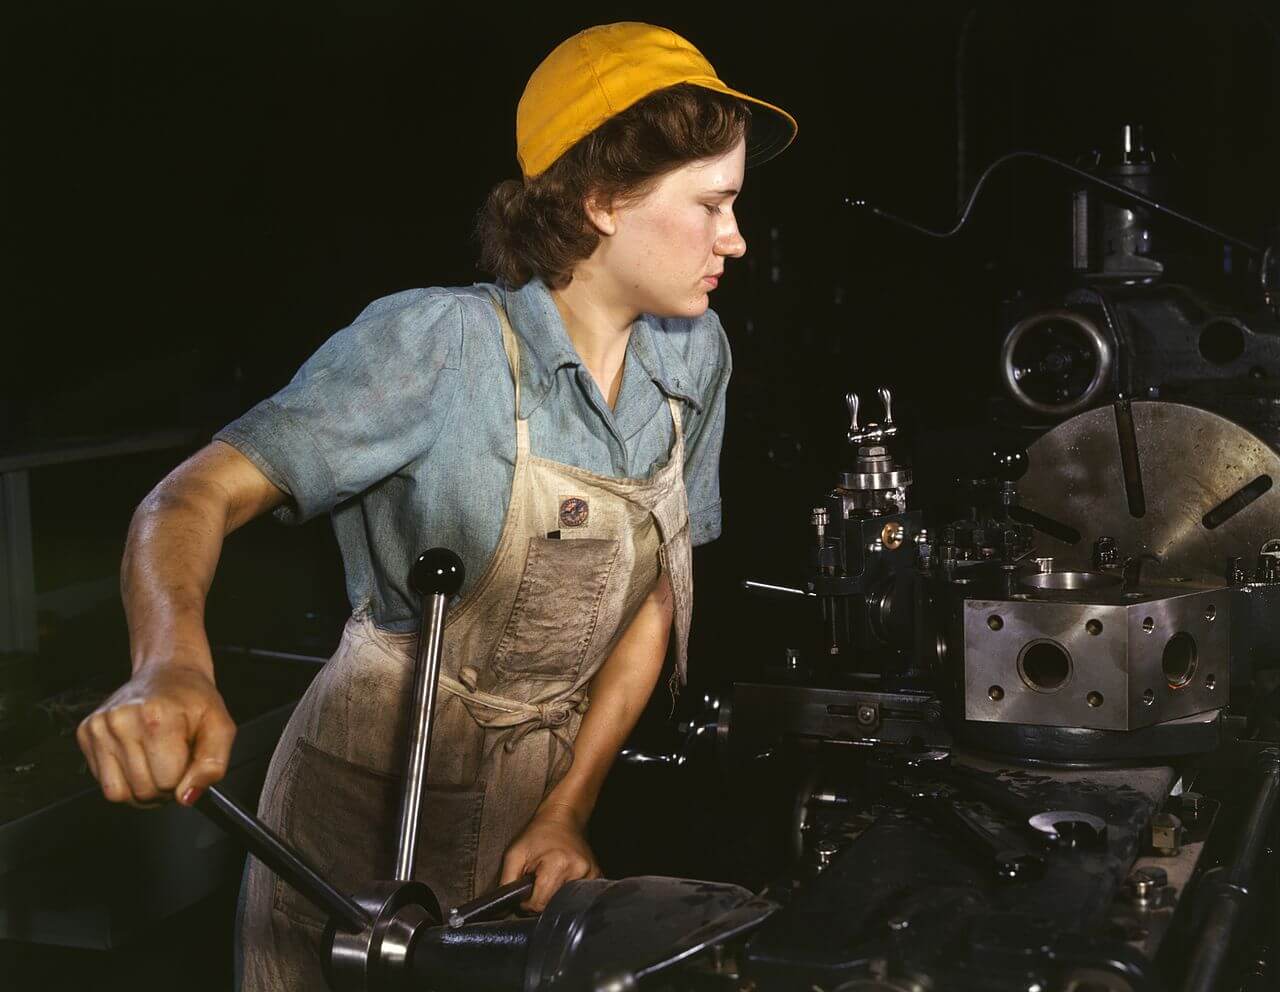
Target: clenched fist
[164,733]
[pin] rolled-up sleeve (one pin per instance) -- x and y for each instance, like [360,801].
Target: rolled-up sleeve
[704,437]
[372,399]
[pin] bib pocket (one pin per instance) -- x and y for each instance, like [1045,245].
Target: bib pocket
[556,609]
[343,819]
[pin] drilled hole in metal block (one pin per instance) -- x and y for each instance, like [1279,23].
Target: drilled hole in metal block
[1045,666]
[1179,659]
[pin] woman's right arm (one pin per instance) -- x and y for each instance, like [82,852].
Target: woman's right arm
[167,731]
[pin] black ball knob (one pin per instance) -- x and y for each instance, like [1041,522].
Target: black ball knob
[1008,464]
[437,570]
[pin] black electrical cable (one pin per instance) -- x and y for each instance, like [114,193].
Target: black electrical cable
[1088,177]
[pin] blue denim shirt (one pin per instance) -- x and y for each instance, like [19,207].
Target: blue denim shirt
[402,427]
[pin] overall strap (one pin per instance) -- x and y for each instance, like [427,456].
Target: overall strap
[675,417]
[509,344]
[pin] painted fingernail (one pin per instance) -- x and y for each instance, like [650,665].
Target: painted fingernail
[191,795]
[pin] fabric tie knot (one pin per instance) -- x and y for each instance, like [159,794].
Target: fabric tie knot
[551,716]
[555,713]
[501,712]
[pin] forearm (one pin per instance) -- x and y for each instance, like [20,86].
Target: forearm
[619,694]
[175,539]
[172,550]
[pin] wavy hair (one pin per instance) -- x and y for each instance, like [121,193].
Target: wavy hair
[539,226]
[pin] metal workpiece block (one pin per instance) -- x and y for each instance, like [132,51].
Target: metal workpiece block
[1119,664]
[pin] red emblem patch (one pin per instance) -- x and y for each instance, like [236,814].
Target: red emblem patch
[573,511]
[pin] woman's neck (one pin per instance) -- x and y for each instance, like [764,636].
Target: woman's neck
[599,329]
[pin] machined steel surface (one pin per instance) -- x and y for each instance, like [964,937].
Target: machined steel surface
[1105,662]
[378,956]
[757,715]
[1049,326]
[1182,484]
[426,682]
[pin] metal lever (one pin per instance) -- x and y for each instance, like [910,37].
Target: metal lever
[491,902]
[771,589]
[887,399]
[872,433]
[281,859]
[436,577]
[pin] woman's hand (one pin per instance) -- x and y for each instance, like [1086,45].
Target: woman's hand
[553,847]
[165,732]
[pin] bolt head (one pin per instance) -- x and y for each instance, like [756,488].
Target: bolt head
[1147,886]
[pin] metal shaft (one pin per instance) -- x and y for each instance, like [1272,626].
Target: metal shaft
[491,902]
[281,859]
[426,678]
[1230,894]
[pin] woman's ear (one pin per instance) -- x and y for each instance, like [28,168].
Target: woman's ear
[601,213]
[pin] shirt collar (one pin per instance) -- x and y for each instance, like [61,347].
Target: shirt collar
[546,348]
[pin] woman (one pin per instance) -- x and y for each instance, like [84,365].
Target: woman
[560,429]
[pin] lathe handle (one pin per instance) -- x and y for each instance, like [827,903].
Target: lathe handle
[281,858]
[436,576]
[492,902]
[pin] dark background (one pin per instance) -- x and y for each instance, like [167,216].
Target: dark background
[197,195]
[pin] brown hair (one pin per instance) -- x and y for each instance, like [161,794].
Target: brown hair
[537,227]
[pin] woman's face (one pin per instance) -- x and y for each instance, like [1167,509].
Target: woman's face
[667,250]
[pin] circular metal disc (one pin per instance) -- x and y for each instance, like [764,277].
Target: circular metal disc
[1174,481]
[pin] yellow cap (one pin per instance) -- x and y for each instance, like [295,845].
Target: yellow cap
[601,72]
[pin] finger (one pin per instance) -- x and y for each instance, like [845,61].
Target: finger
[125,726]
[209,756]
[136,770]
[549,877]
[164,742]
[577,867]
[111,776]
[114,785]
[85,739]
[513,865]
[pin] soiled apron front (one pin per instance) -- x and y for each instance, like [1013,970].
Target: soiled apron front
[519,652]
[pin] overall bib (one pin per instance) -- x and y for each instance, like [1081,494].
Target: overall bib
[519,653]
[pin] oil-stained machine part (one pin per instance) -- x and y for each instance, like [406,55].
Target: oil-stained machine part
[1181,484]
[1109,663]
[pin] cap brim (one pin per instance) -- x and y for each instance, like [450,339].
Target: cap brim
[772,128]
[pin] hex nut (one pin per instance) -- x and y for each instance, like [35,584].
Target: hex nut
[1166,834]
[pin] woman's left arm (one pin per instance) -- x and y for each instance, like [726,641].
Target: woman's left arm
[554,844]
